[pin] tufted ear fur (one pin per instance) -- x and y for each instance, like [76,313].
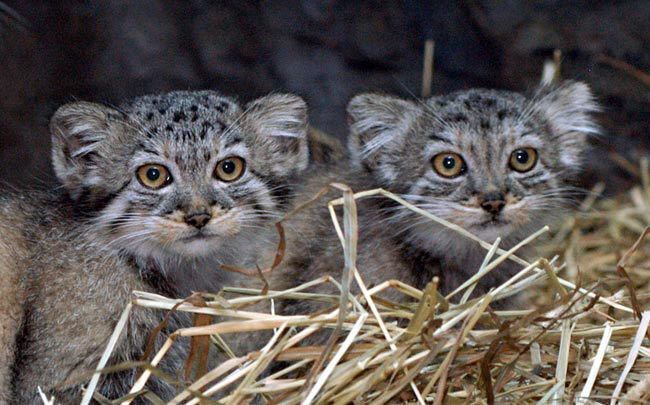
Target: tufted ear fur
[279,122]
[80,133]
[568,109]
[376,120]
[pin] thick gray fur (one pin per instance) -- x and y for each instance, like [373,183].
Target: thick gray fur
[392,143]
[71,257]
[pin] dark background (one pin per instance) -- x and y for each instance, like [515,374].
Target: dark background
[325,51]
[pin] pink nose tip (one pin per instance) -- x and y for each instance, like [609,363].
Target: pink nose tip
[198,220]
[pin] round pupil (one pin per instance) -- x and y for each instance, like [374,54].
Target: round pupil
[449,162]
[522,156]
[228,167]
[153,174]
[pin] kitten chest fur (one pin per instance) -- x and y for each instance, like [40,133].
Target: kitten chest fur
[74,256]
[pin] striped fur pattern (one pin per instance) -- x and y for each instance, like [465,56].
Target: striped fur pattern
[392,144]
[394,141]
[97,150]
[84,248]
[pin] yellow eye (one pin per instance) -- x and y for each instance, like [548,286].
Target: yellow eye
[230,169]
[449,164]
[523,160]
[154,176]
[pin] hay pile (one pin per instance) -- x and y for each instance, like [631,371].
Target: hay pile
[585,339]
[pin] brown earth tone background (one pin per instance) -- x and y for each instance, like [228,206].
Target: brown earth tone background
[325,51]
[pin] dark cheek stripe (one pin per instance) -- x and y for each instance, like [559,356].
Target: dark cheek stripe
[114,224]
[90,203]
[533,180]
[279,190]
[434,189]
[257,207]
[532,176]
[147,193]
[241,190]
[533,183]
[282,194]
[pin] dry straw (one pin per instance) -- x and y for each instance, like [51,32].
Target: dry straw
[583,338]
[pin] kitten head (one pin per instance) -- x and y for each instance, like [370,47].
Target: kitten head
[496,163]
[180,173]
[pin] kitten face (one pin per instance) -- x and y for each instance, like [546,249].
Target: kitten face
[495,163]
[183,173]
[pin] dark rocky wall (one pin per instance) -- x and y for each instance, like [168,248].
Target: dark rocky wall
[323,50]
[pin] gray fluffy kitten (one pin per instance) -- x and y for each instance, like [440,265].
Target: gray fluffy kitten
[156,195]
[496,163]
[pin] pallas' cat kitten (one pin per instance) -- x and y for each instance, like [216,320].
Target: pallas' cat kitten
[497,163]
[156,195]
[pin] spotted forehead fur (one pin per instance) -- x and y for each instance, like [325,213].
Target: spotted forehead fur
[395,138]
[185,126]
[96,148]
[174,114]
[394,141]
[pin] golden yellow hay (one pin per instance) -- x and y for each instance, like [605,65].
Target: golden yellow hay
[584,338]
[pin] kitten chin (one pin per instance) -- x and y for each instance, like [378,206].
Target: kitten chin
[139,183]
[194,247]
[469,157]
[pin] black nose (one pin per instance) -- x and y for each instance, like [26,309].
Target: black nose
[493,203]
[198,220]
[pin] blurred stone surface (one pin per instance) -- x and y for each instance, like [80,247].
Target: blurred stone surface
[324,50]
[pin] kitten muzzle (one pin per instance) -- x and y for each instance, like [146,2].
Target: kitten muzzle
[493,203]
[198,220]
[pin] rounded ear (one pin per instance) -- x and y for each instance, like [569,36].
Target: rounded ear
[279,122]
[79,132]
[375,120]
[568,108]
